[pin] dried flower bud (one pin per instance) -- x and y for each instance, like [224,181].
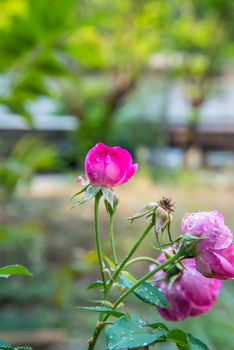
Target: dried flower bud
[167,204]
[161,219]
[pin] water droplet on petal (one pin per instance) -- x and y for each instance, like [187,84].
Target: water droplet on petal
[108,159]
[212,220]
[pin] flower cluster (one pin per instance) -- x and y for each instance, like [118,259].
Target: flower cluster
[189,272]
[194,287]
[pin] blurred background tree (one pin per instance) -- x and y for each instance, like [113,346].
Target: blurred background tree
[90,55]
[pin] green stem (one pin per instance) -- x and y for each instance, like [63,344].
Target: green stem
[169,230]
[112,241]
[141,258]
[144,278]
[130,290]
[98,242]
[117,272]
[130,253]
[93,340]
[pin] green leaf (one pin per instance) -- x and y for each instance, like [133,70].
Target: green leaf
[151,295]
[4,345]
[191,238]
[158,325]
[105,303]
[129,276]
[131,333]
[108,195]
[185,341]
[10,270]
[110,263]
[111,208]
[179,338]
[96,284]
[78,193]
[91,192]
[196,344]
[106,310]
[146,292]
[148,209]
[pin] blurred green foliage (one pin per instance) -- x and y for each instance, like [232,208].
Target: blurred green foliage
[29,154]
[90,55]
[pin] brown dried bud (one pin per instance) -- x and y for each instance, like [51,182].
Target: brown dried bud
[167,204]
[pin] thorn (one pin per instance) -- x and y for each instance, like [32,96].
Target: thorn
[90,341]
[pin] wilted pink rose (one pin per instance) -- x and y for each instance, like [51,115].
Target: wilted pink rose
[215,253]
[191,294]
[108,166]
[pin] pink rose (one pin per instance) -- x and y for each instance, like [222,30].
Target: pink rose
[218,263]
[191,294]
[215,253]
[108,166]
[208,225]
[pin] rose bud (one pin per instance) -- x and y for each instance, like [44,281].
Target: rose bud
[108,166]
